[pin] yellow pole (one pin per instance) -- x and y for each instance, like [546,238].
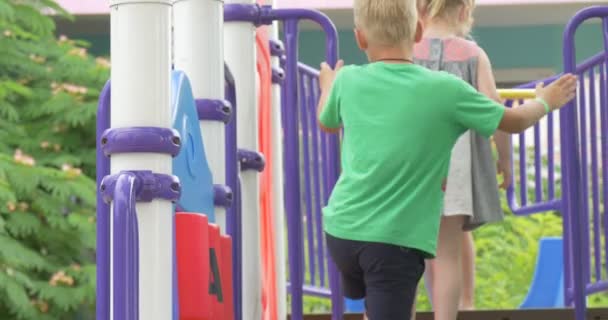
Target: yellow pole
[517,94]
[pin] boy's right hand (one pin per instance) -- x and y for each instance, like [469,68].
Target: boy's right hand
[558,93]
[327,75]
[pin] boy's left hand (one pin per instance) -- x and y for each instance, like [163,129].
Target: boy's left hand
[327,75]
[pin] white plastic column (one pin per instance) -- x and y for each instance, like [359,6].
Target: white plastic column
[277,184]
[240,54]
[141,97]
[199,52]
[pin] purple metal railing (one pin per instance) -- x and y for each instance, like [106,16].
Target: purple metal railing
[583,160]
[545,161]
[317,182]
[302,132]
[297,101]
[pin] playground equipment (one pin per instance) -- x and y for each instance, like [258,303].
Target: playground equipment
[171,143]
[547,289]
[139,275]
[583,159]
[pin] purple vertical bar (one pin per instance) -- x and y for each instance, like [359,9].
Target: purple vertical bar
[582,105]
[538,171]
[233,214]
[125,301]
[551,157]
[316,163]
[604,139]
[571,169]
[292,181]
[324,167]
[103,211]
[597,249]
[523,174]
[310,232]
[133,257]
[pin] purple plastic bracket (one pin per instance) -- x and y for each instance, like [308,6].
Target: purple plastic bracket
[251,160]
[214,110]
[149,186]
[278,75]
[222,196]
[254,13]
[140,140]
[277,48]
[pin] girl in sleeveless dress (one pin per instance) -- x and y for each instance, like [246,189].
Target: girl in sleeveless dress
[471,193]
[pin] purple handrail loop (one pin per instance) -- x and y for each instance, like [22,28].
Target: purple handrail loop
[124,190]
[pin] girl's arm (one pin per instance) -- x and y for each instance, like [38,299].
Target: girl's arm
[487,85]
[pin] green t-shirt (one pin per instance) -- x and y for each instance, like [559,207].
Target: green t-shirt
[400,123]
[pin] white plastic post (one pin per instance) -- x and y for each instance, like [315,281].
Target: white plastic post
[141,97]
[199,52]
[240,54]
[277,185]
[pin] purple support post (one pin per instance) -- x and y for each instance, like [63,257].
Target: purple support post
[538,158]
[304,100]
[312,113]
[551,157]
[584,187]
[233,214]
[597,248]
[604,138]
[523,168]
[103,211]
[572,167]
[292,172]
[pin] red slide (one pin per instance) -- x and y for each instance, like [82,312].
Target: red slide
[269,287]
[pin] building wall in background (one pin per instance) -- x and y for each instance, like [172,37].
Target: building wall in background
[508,47]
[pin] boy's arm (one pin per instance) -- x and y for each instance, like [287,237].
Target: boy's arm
[322,102]
[328,108]
[487,85]
[473,110]
[556,95]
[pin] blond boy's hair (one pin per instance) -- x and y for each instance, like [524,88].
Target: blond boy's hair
[387,22]
[447,10]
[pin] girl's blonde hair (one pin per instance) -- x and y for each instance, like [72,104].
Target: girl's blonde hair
[448,10]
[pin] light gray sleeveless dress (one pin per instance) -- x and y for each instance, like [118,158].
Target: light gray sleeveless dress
[472,187]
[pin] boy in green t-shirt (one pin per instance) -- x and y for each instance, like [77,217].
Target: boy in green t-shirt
[400,124]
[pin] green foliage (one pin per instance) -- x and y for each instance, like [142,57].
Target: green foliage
[48,93]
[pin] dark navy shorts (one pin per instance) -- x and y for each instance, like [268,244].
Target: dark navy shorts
[385,275]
